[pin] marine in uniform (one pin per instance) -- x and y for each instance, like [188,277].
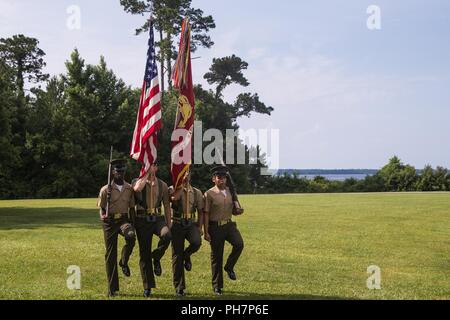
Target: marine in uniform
[219,227]
[187,216]
[117,221]
[151,220]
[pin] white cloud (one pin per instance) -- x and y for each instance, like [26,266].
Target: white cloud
[225,45]
[256,53]
[325,113]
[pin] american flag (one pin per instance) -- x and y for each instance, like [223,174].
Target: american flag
[148,122]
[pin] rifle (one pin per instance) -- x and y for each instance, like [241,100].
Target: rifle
[108,197]
[237,209]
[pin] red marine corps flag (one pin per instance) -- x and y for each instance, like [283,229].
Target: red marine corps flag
[184,122]
[148,122]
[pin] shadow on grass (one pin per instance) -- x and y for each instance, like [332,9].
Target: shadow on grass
[62,217]
[230,295]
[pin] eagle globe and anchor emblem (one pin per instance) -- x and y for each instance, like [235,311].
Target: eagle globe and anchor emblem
[185,110]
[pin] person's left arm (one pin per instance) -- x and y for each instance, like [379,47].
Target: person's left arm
[131,206]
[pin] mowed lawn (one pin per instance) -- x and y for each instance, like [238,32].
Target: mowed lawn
[315,246]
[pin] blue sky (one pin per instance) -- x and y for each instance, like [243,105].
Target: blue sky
[344,96]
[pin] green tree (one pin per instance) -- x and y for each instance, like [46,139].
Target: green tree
[397,176]
[217,114]
[168,16]
[225,71]
[441,179]
[23,55]
[373,183]
[350,185]
[74,122]
[257,180]
[9,155]
[25,60]
[426,180]
[246,103]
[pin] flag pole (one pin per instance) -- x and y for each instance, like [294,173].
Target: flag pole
[145,138]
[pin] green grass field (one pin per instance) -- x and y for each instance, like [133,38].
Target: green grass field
[315,246]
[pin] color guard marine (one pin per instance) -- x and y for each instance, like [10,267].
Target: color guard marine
[220,204]
[187,210]
[150,219]
[116,202]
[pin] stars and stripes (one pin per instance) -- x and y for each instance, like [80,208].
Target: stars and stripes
[148,122]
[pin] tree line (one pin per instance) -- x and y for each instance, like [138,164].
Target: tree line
[394,176]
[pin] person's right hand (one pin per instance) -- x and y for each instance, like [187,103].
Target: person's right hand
[207,237]
[103,217]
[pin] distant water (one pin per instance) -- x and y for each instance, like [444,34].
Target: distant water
[336,177]
[329,174]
